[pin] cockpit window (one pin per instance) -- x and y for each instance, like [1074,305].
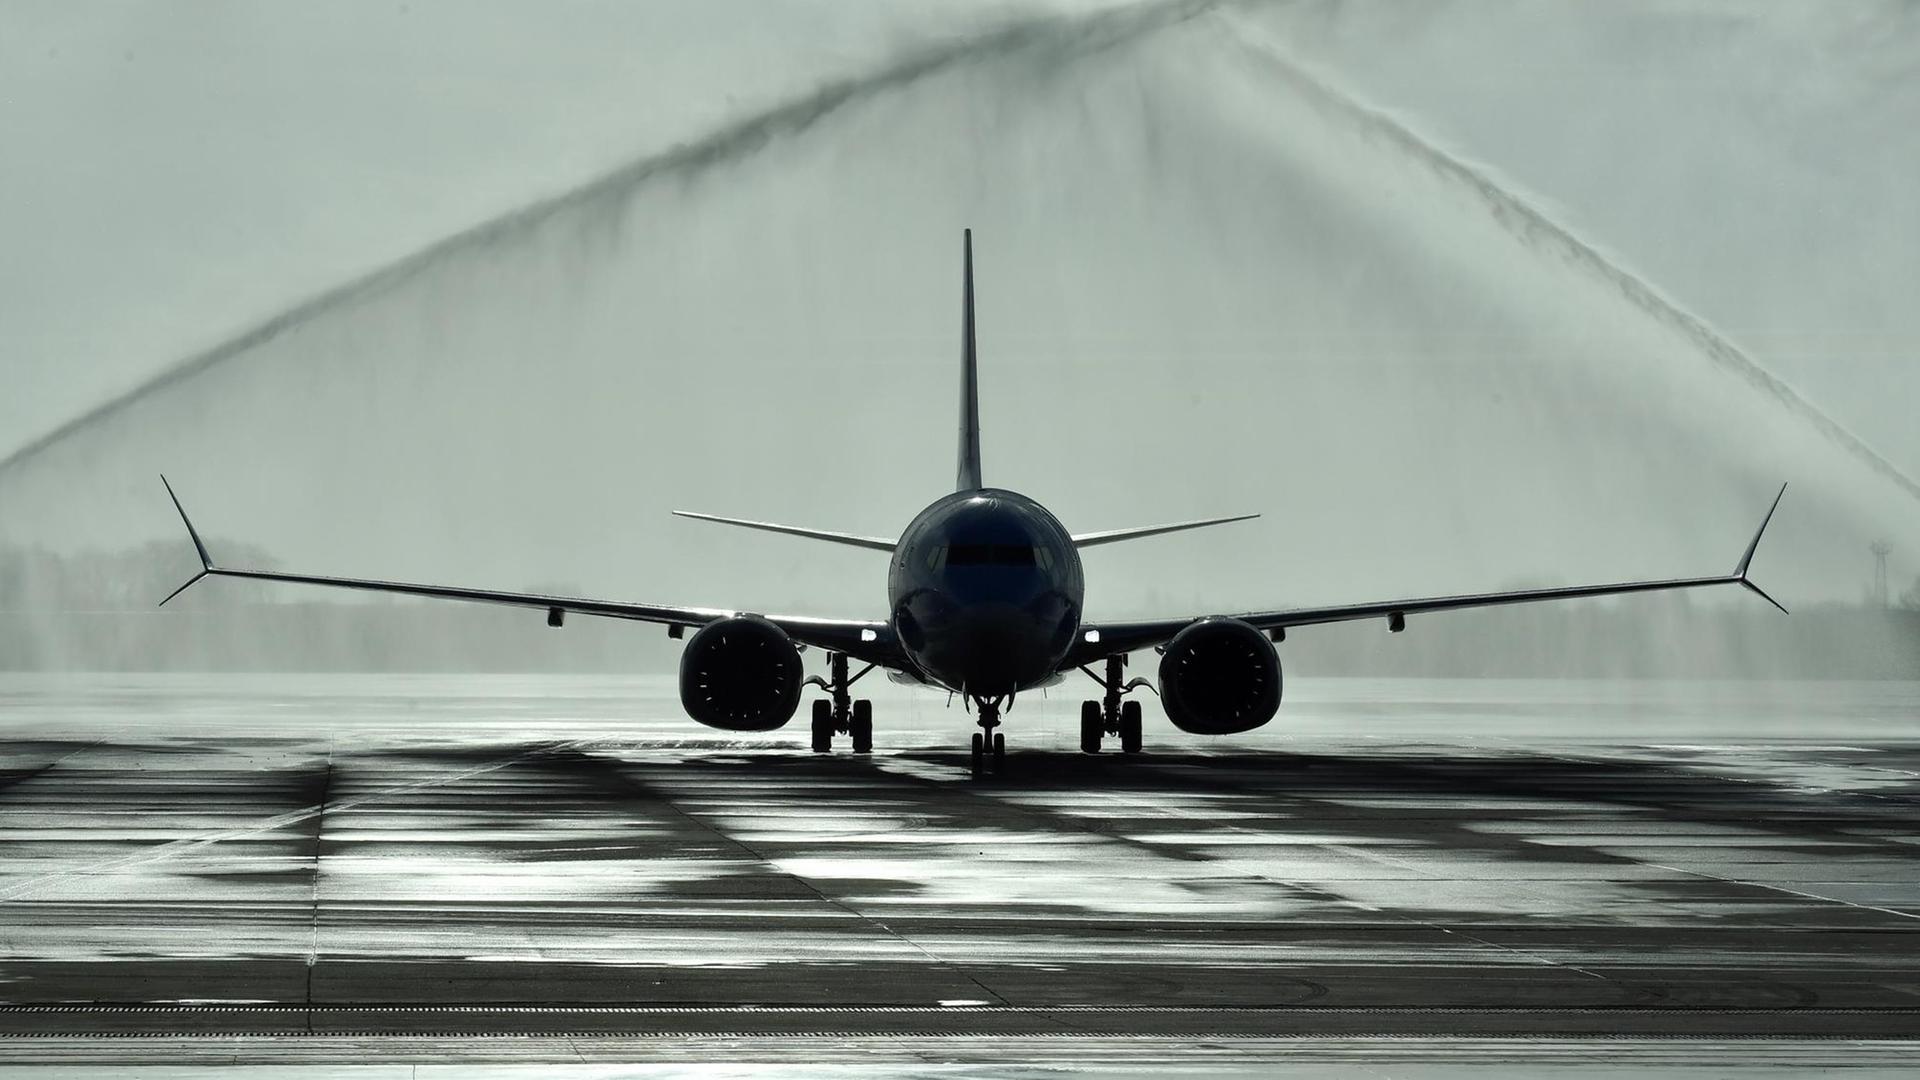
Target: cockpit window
[989,555]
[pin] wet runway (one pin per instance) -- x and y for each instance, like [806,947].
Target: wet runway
[269,864]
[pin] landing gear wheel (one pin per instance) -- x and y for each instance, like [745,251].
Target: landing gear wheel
[823,727]
[978,757]
[862,727]
[999,754]
[1130,727]
[1092,727]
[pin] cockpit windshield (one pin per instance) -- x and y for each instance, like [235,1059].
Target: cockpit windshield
[989,555]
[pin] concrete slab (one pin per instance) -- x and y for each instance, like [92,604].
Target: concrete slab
[412,858]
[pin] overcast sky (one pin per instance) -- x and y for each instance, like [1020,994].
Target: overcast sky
[180,171]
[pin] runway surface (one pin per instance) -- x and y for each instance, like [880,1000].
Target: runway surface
[267,869]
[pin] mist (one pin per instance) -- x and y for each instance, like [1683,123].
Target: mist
[1225,265]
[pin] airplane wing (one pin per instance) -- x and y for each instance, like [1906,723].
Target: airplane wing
[867,641]
[1105,639]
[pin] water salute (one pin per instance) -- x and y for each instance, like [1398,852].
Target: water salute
[1114,537]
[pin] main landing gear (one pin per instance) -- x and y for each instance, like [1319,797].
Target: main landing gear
[841,715]
[989,746]
[1110,715]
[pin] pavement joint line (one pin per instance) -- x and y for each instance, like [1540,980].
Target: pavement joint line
[671,801]
[172,848]
[1783,889]
[1681,770]
[301,1034]
[956,1010]
[1356,852]
[319,830]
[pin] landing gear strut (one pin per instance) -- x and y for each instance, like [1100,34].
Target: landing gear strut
[989,746]
[842,715]
[1110,715]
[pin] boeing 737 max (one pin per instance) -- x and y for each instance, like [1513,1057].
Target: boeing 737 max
[984,601]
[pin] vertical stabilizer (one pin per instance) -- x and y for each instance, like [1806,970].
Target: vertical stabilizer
[969,381]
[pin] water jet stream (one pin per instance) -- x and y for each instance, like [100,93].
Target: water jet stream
[1070,35]
[1535,230]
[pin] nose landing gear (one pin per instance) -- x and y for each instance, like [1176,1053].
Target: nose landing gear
[1110,715]
[842,715]
[989,746]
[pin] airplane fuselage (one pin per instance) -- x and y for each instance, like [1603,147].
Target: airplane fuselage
[984,598]
[985,592]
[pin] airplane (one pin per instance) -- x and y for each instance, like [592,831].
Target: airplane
[984,601]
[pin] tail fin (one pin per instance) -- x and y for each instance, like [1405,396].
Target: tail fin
[969,479]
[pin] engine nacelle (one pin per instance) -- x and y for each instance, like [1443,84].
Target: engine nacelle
[1219,677]
[740,674]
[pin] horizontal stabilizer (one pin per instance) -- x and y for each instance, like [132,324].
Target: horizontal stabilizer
[1115,535]
[877,543]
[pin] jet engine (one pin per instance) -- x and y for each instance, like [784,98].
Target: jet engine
[1219,677]
[740,674]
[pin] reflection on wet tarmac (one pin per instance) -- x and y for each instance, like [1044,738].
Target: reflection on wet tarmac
[356,841]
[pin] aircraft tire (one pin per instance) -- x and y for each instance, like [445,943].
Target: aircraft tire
[862,727]
[1130,727]
[999,754]
[978,755]
[823,726]
[1092,728]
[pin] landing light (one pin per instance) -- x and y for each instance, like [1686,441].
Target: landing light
[868,635]
[1093,637]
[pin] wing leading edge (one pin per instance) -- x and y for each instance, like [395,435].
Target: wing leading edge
[1104,639]
[1110,536]
[874,543]
[866,641]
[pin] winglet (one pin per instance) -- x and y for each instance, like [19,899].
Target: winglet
[199,546]
[1746,560]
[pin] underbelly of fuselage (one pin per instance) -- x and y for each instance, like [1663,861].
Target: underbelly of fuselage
[986,649]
